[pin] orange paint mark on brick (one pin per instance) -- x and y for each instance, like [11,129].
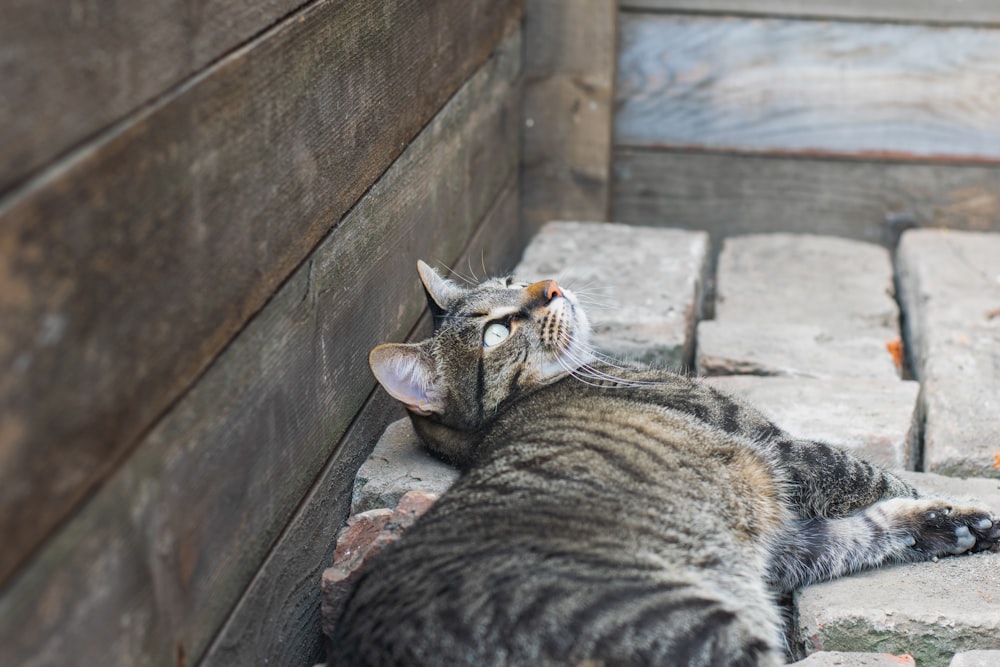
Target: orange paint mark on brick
[996,460]
[895,349]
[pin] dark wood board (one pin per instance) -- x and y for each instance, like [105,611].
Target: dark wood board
[124,272]
[69,70]
[277,620]
[808,87]
[741,194]
[569,84]
[153,564]
[929,11]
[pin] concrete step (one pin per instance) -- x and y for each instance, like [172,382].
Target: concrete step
[930,610]
[949,283]
[801,306]
[641,286]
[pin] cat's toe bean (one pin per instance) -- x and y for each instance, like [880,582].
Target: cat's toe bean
[984,524]
[964,539]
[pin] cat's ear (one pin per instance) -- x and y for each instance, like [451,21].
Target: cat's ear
[407,372]
[441,292]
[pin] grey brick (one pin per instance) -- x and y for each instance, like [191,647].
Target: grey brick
[766,348]
[641,286]
[841,659]
[398,464]
[801,306]
[932,610]
[950,288]
[805,279]
[872,418]
[976,659]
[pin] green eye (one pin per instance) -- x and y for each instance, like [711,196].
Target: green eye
[495,334]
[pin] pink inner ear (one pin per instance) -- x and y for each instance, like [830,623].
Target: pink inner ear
[407,374]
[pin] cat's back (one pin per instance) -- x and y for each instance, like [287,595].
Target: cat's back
[596,525]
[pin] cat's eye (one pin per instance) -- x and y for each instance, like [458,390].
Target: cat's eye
[495,334]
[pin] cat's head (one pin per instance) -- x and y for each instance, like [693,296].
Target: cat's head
[492,342]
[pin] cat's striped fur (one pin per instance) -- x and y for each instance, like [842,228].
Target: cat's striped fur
[609,515]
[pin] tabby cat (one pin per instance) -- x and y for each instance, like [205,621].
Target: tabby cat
[609,515]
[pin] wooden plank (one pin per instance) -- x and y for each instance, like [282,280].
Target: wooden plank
[927,11]
[569,79]
[68,71]
[151,566]
[731,194]
[124,272]
[275,621]
[809,87]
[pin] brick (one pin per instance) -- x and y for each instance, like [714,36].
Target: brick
[766,348]
[363,536]
[931,610]
[950,289]
[641,286]
[874,419]
[841,659]
[398,464]
[976,659]
[801,306]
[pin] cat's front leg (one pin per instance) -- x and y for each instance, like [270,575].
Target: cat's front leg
[897,530]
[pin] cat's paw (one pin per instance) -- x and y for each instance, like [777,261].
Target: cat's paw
[940,528]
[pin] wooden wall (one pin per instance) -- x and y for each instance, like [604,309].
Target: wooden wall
[208,216]
[853,118]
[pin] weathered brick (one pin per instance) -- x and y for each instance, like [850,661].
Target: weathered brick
[398,464]
[950,287]
[976,659]
[931,610]
[801,306]
[874,419]
[641,286]
[841,659]
[363,536]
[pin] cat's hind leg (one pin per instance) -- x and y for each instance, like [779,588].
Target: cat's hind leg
[897,530]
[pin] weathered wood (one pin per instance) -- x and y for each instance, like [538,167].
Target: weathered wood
[570,50]
[276,621]
[498,244]
[68,70]
[124,272]
[740,194]
[151,566]
[809,87]
[930,11]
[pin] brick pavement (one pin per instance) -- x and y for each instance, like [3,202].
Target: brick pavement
[801,329]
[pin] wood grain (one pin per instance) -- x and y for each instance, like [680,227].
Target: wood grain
[152,565]
[732,194]
[569,79]
[809,87]
[69,70]
[930,11]
[277,620]
[124,272]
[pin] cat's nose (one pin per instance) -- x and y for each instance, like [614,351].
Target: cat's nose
[542,293]
[552,290]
